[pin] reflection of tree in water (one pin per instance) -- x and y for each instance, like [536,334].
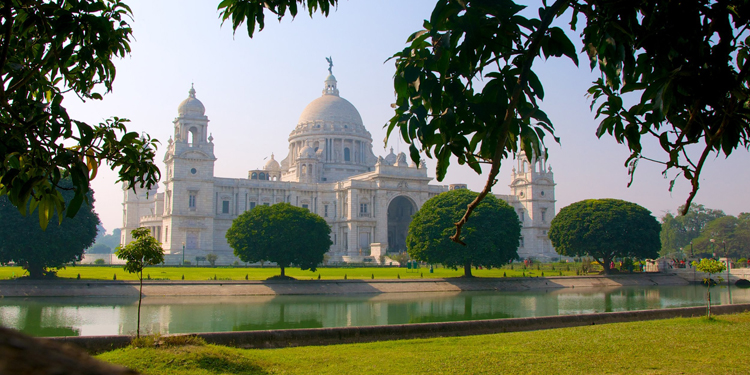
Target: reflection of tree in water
[281,323]
[30,322]
[442,310]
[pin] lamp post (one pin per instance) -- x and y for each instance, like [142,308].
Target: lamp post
[691,256]
[183,254]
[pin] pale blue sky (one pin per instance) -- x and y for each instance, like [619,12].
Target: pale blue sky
[255,89]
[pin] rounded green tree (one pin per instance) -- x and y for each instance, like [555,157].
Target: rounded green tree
[605,229]
[283,234]
[24,242]
[491,236]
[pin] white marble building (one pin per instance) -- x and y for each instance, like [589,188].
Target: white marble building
[330,169]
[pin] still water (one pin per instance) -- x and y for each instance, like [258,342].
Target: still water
[117,316]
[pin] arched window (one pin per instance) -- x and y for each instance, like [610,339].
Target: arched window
[262,176]
[347,154]
[254,176]
[303,170]
[192,136]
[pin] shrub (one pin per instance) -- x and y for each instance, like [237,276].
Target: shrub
[157,340]
[99,261]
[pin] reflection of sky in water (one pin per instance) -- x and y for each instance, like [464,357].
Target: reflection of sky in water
[117,316]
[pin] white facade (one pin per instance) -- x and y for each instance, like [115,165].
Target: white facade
[330,169]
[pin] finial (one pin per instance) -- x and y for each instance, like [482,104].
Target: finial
[210,137]
[272,156]
[192,90]
[330,64]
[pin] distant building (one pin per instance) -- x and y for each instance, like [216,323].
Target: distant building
[331,170]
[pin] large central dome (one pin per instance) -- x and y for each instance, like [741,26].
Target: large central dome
[330,142]
[331,108]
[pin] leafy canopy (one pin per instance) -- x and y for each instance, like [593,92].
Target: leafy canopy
[680,231]
[143,251]
[492,239]
[22,240]
[729,233]
[605,229]
[48,49]
[685,65]
[281,233]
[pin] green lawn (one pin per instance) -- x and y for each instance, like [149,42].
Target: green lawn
[239,273]
[675,346]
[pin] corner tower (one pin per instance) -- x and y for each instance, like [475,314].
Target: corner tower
[189,180]
[533,184]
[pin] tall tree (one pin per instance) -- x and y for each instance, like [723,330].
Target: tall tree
[281,233]
[143,251]
[41,252]
[48,49]
[605,229]
[688,61]
[728,232]
[492,239]
[680,231]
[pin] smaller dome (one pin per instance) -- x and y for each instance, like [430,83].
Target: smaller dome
[307,152]
[401,160]
[272,165]
[391,158]
[191,107]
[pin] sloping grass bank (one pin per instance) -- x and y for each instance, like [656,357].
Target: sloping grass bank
[674,346]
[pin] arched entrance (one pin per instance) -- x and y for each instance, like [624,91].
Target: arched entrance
[400,211]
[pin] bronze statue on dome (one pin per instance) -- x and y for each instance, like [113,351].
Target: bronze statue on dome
[330,64]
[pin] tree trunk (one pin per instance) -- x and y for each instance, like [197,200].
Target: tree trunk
[282,270]
[140,297]
[605,265]
[36,270]
[467,269]
[708,296]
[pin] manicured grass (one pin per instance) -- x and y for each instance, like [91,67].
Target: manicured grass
[238,273]
[674,346]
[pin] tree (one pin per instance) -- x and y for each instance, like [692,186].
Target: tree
[143,251]
[48,49]
[688,61]
[709,266]
[99,249]
[281,233]
[492,239]
[680,231]
[605,229]
[732,232]
[38,251]
[211,258]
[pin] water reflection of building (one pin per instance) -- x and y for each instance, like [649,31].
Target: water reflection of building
[330,169]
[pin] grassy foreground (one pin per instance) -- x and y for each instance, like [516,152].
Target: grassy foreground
[239,273]
[674,346]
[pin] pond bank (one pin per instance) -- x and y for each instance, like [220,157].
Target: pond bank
[266,339]
[104,288]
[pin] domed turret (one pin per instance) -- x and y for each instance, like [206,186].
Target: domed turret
[191,107]
[390,159]
[272,165]
[307,152]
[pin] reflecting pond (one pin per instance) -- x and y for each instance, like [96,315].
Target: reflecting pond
[43,316]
